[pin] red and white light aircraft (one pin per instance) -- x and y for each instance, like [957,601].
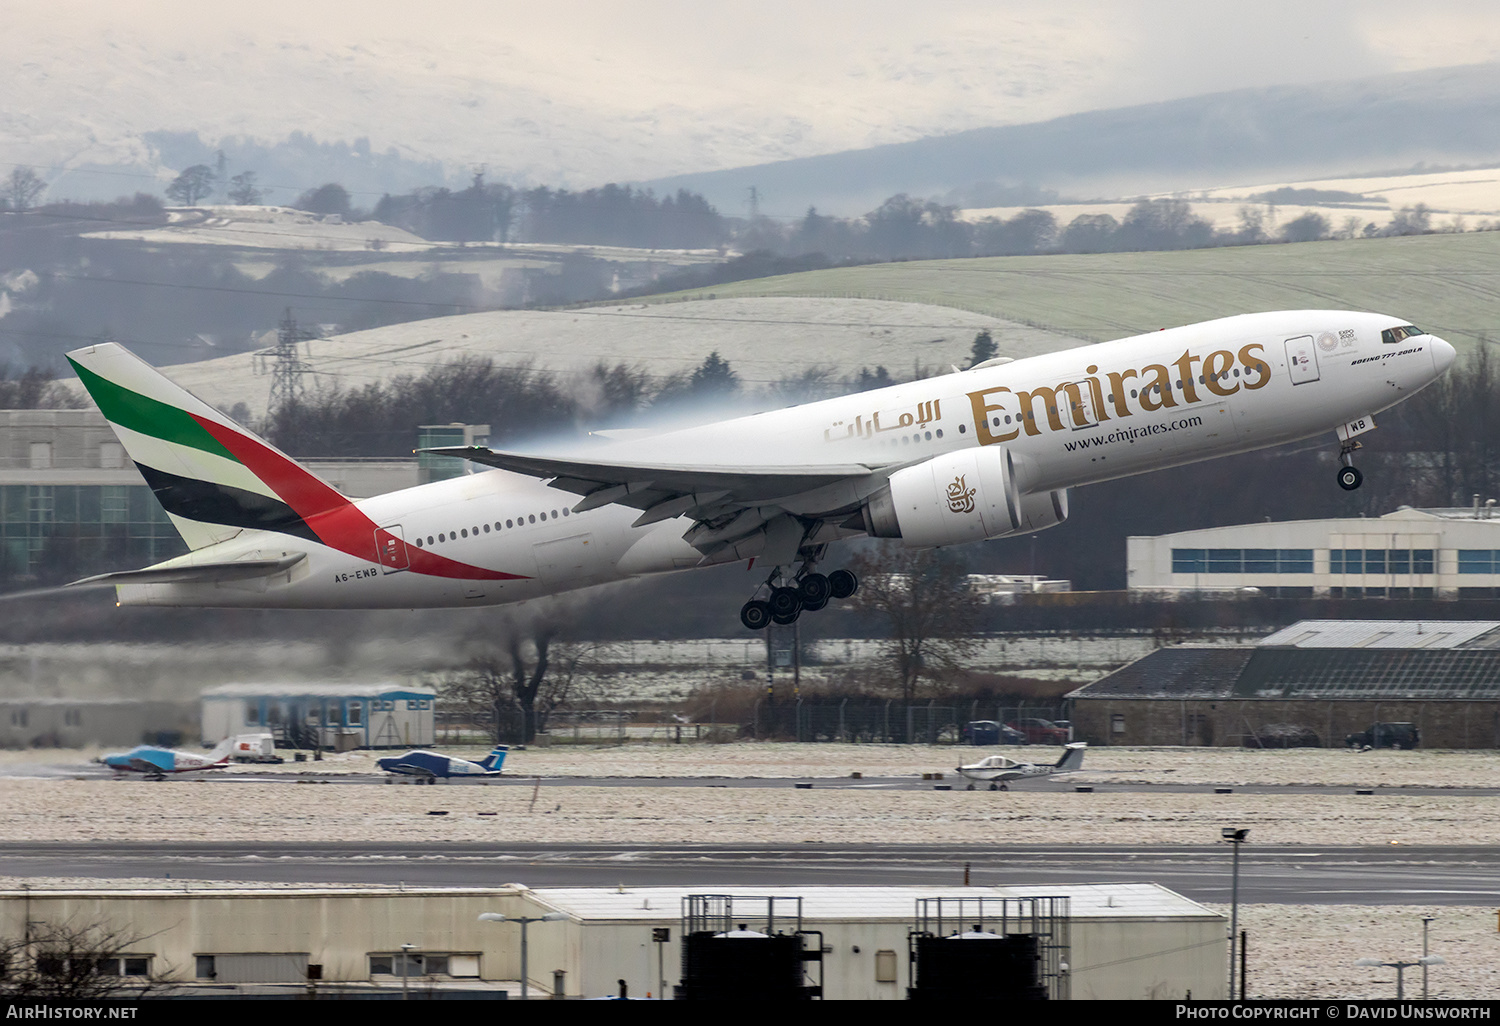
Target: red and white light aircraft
[984,453]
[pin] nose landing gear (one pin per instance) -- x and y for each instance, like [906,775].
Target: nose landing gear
[1349,477]
[788,599]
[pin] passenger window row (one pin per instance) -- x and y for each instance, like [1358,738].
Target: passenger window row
[465,532]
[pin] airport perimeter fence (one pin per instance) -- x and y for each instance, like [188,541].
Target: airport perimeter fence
[854,721]
[890,722]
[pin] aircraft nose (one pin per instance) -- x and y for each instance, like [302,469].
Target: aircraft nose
[1443,355]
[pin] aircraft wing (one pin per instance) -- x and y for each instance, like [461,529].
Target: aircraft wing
[199,573]
[412,768]
[729,502]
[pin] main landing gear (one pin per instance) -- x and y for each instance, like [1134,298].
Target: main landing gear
[807,592]
[1349,477]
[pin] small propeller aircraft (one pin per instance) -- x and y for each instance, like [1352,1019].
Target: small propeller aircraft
[997,769]
[156,762]
[428,766]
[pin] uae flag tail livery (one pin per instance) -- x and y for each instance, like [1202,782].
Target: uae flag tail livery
[213,478]
[253,517]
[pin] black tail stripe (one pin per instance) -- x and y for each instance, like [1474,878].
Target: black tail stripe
[211,503]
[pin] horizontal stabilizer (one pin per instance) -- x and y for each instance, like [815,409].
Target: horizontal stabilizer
[201,573]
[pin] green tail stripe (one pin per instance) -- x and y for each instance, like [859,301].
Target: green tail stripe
[148,416]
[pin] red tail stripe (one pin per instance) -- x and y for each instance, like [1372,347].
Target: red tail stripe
[336,521]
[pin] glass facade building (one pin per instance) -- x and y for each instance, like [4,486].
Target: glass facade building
[1410,553]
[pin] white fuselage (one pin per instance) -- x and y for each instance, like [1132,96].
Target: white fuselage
[1069,418]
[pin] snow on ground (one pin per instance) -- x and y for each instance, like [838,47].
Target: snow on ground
[71,804]
[1336,767]
[1308,951]
[1472,195]
[764,339]
[181,809]
[279,228]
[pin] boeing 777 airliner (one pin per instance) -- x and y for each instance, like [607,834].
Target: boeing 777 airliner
[984,453]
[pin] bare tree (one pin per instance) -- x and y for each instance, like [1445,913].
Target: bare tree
[192,185]
[23,187]
[92,962]
[242,190]
[534,672]
[923,594]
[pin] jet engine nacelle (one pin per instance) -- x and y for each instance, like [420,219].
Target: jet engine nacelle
[964,496]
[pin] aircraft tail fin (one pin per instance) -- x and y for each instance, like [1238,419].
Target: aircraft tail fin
[222,749]
[213,477]
[1072,757]
[495,759]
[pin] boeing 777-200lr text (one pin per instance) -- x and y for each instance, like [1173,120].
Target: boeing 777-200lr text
[988,452]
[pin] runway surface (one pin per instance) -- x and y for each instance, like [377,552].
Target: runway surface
[1281,875]
[951,780]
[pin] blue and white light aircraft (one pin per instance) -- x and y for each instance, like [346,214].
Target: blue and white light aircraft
[157,762]
[997,769]
[429,766]
[984,453]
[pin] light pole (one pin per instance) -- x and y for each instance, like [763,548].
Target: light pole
[1424,962]
[405,951]
[525,921]
[1426,921]
[1236,838]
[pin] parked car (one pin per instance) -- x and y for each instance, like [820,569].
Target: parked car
[1283,735]
[991,732]
[1039,731]
[1385,735]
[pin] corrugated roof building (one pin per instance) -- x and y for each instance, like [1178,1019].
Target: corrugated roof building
[1315,682]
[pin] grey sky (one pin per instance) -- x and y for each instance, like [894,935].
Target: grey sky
[560,90]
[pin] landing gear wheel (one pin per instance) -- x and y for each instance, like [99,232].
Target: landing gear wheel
[969,788]
[814,591]
[755,615]
[786,618]
[842,584]
[1350,478]
[994,787]
[785,602]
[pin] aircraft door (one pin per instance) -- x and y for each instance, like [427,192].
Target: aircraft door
[390,546]
[1302,359]
[1081,410]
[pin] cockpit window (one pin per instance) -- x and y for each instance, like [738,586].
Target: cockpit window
[1391,336]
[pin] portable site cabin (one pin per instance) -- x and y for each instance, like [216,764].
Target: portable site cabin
[313,715]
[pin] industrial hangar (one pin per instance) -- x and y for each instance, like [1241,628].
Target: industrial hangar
[1313,683]
[1116,941]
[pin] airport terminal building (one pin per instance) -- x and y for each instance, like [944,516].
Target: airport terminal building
[1410,553]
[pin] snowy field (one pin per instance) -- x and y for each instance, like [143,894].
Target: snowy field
[1473,196]
[279,228]
[764,340]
